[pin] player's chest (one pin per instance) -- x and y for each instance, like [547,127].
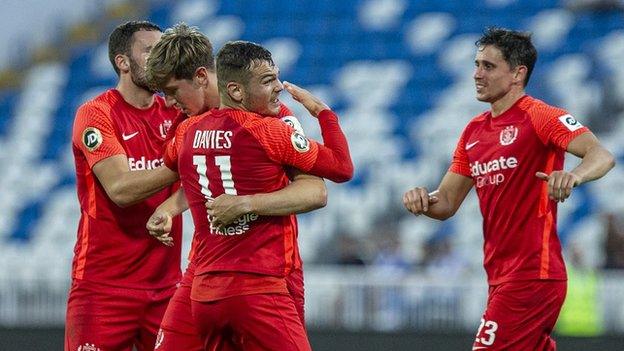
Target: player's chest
[142,134]
[502,148]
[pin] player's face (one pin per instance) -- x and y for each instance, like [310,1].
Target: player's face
[142,43]
[188,94]
[262,91]
[493,76]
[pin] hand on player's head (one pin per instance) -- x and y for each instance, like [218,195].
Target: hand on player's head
[313,104]
[560,184]
[417,200]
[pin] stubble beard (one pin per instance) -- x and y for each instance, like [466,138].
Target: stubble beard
[137,74]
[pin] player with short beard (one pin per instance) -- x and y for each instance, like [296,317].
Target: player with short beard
[122,278]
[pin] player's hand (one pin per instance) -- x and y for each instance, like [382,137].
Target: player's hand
[560,184]
[225,209]
[159,226]
[418,200]
[313,104]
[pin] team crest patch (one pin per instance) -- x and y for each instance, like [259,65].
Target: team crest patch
[293,122]
[570,122]
[88,347]
[159,338]
[300,142]
[508,135]
[92,138]
[164,127]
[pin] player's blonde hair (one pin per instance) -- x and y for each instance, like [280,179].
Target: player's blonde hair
[178,54]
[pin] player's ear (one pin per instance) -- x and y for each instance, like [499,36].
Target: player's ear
[201,77]
[122,62]
[521,73]
[235,91]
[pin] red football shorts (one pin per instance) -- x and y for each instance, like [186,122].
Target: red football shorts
[520,316]
[103,317]
[177,330]
[294,283]
[251,322]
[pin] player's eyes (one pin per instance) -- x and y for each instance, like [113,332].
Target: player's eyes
[268,80]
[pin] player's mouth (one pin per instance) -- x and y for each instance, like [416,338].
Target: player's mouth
[479,86]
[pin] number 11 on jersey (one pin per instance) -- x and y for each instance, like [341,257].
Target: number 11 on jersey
[225,168]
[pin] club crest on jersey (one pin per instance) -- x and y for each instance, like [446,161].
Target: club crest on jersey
[164,127]
[508,135]
[570,122]
[92,138]
[88,347]
[300,142]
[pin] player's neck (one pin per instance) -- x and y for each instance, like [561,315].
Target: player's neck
[503,104]
[228,104]
[134,95]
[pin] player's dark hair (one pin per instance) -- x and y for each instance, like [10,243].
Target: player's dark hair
[121,39]
[178,54]
[236,59]
[516,47]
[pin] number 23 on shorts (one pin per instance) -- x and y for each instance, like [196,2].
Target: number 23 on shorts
[489,334]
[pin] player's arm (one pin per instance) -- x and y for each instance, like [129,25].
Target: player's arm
[596,161]
[127,187]
[334,160]
[305,193]
[94,135]
[160,222]
[443,202]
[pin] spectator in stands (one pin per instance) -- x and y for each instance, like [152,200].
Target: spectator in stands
[441,260]
[349,251]
[614,242]
[390,266]
[389,258]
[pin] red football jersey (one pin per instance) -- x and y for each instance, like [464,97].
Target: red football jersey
[113,246]
[502,155]
[241,153]
[174,144]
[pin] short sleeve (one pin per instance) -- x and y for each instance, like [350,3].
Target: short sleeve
[555,126]
[460,163]
[94,134]
[284,144]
